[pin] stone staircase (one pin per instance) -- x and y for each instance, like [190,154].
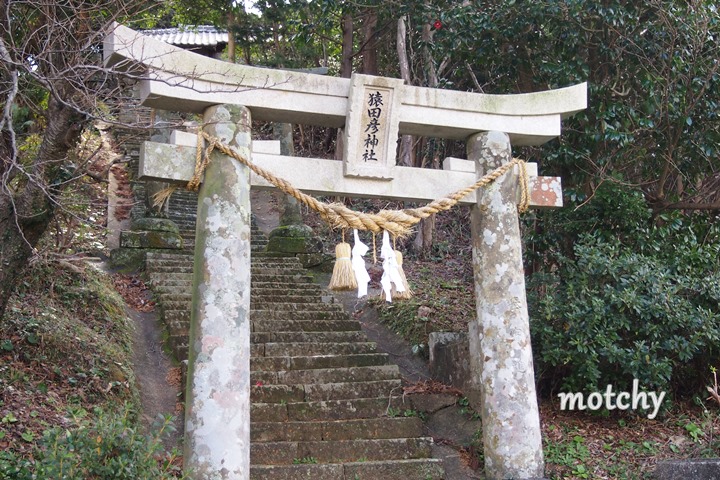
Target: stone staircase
[325,403]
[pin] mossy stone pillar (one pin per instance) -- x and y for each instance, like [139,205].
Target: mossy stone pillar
[291,214]
[217,416]
[500,353]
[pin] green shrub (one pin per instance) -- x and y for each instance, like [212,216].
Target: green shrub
[111,446]
[644,305]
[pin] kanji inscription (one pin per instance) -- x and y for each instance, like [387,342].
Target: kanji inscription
[371,127]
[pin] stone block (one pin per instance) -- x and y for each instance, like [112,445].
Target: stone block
[294,239]
[323,261]
[147,224]
[127,260]
[429,403]
[450,358]
[151,239]
[697,469]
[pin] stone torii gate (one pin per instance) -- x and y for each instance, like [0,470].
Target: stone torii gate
[373,111]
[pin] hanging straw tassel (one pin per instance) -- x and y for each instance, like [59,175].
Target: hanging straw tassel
[407,293]
[343,276]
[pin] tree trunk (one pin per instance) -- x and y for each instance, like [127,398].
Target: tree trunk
[347,46]
[426,228]
[405,152]
[232,55]
[26,214]
[345,71]
[369,53]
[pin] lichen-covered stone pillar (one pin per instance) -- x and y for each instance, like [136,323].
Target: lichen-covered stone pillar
[500,353]
[217,417]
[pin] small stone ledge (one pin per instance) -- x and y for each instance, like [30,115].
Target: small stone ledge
[450,359]
[151,239]
[697,469]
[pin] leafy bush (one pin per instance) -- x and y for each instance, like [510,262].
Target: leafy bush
[111,446]
[644,305]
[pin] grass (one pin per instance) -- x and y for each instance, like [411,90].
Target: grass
[69,402]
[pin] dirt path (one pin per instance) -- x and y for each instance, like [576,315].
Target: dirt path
[158,381]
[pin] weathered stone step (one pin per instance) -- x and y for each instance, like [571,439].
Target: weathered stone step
[323,410]
[285,453]
[175,318]
[316,392]
[179,268]
[311,306]
[310,325]
[274,364]
[276,349]
[327,375]
[415,469]
[174,305]
[267,260]
[295,288]
[333,314]
[284,296]
[384,427]
[271,254]
[287,279]
[305,337]
[276,270]
[171,286]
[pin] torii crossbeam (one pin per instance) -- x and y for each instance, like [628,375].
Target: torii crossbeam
[373,111]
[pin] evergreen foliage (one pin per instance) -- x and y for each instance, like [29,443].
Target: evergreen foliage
[631,297]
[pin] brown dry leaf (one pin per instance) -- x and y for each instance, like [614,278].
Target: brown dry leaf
[134,291]
[174,377]
[431,386]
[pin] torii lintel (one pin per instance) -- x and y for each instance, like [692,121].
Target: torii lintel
[179,80]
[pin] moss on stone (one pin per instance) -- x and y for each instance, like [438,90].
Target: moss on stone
[147,224]
[153,239]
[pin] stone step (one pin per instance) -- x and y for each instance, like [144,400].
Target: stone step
[310,305]
[327,375]
[270,260]
[326,314]
[174,305]
[306,337]
[179,290]
[309,325]
[180,268]
[272,349]
[289,296]
[358,450]
[179,345]
[261,393]
[171,286]
[274,364]
[385,427]
[175,318]
[273,255]
[279,269]
[323,410]
[295,288]
[168,255]
[261,260]
[414,469]
[287,279]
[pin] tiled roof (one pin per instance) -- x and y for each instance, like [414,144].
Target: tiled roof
[201,35]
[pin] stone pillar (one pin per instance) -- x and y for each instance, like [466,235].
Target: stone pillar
[217,417]
[291,214]
[163,121]
[500,351]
